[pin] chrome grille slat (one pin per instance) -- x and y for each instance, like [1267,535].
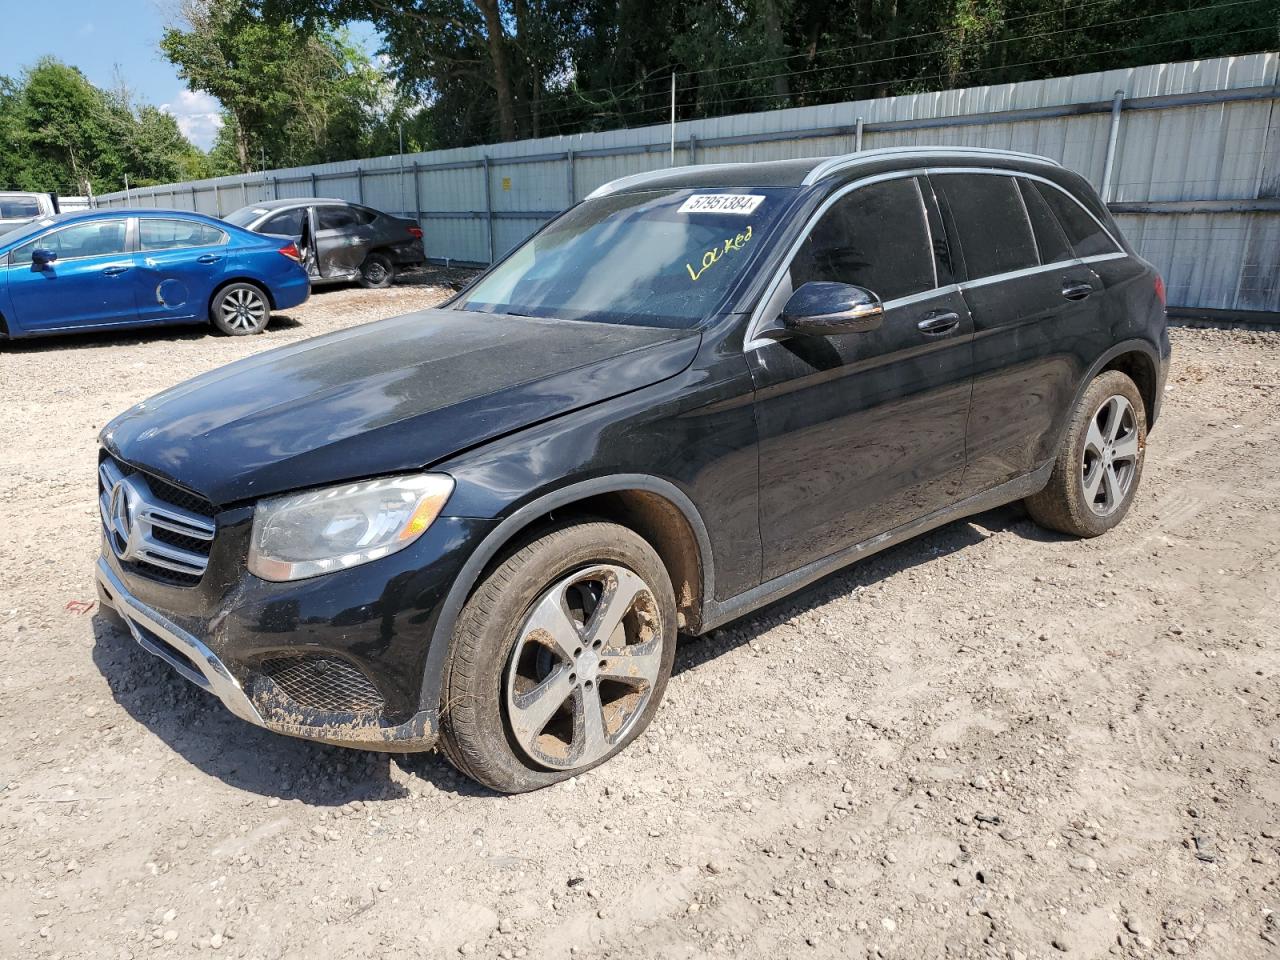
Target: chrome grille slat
[131,525]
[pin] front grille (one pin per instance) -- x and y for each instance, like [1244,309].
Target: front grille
[154,527]
[324,683]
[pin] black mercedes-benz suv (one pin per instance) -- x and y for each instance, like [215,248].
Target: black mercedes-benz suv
[482,526]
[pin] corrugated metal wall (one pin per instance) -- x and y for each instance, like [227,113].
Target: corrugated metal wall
[1195,180]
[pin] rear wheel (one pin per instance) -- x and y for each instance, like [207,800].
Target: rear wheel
[377,271]
[1096,474]
[240,309]
[560,658]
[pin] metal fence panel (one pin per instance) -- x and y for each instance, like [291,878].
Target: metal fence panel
[1188,135]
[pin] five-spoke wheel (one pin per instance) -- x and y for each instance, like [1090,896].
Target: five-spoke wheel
[560,657]
[1099,463]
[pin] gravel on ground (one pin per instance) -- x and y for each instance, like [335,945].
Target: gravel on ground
[991,741]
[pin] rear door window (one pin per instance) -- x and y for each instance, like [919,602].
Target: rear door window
[177,234]
[288,224]
[335,218]
[875,237]
[1087,236]
[990,221]
[1050,240]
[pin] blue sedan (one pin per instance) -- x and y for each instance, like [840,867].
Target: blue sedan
[103,269]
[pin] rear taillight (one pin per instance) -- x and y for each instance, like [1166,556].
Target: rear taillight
[1160,293]
[415,232]
[290,250]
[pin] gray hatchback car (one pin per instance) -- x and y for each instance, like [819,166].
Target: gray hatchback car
[339,241]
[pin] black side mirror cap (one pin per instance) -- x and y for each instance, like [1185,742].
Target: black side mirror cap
[823,308]
[41,257]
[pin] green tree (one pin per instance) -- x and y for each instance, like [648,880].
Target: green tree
[58,132]
[292,94]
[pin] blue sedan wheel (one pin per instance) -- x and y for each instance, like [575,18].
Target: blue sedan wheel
[240,309]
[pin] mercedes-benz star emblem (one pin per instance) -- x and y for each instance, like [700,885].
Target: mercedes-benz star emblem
[122,519]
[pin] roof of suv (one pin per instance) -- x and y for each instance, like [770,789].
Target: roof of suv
[811,170]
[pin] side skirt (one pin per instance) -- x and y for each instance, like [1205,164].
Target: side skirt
[719,612]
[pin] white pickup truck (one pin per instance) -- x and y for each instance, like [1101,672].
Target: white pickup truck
[19,208]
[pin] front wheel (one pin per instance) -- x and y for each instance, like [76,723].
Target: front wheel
[1096,474]
[560,658]
[377,271]
[240,309]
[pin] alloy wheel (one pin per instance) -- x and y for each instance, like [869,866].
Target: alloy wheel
[1110,458]
[243,309]
[583,667]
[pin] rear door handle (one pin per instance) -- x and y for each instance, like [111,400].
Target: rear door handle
[1076,291]
[208,258]
[114,271]
[940,321]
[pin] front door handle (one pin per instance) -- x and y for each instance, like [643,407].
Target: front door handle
[940,321]
[208,258]
[114,271]
[1076,290]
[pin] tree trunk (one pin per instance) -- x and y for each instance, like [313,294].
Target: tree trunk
[496,37]
[776,48]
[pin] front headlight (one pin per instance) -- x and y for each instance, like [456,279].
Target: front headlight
[307,534]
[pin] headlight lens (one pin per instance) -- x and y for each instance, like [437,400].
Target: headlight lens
[307,534]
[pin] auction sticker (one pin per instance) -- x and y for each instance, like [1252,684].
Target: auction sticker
[739,203]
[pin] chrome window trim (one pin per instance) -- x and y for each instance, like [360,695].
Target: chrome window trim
[1031,176]
[11,262]
[1015,274]
[753,342]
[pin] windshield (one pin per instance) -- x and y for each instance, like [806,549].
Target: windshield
[664,258]
[245,215]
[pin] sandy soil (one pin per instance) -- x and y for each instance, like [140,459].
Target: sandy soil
[989,742]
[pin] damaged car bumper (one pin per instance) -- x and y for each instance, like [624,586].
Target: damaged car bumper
[339,659]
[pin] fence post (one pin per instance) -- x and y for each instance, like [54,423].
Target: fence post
[857,136]
[570,186]
[313,183]
[275,188]
[360,183]
[488,207]
[217,201]
[1113,135]
[244,193]
[693,149]
[417,197]
[195,207]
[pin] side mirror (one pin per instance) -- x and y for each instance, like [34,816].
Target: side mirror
[41,258]
[824,309]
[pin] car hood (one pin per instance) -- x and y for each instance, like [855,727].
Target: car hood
[390,396]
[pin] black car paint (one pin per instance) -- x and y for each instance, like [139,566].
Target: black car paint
[755,449]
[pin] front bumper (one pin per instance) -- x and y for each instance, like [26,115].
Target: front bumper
[274,652]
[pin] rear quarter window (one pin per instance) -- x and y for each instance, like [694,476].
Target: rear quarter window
[1087,236]
[1050,240]
[990,222]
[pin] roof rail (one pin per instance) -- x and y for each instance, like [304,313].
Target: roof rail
[635,179]
[833,165]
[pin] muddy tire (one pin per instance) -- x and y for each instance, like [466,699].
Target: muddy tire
[240,309]
[1099,465]
[559,659]
[377,272]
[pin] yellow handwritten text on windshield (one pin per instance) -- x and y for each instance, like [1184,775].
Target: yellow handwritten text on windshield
[712,256]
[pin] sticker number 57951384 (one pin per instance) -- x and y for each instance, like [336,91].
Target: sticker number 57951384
[739,203]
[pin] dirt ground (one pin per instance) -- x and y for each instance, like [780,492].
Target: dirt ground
[989,742]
